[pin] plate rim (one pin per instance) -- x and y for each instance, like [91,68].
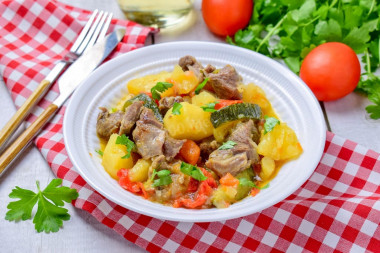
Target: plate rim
[223,216]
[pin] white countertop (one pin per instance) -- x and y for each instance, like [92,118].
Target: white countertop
[83,233]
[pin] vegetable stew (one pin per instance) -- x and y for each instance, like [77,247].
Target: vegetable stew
[196,137]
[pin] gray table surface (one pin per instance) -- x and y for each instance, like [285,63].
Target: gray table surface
[82,233]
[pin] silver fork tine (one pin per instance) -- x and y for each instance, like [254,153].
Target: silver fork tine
[105,27]
[91,33]
[97,31]
[81,43]
[84,32]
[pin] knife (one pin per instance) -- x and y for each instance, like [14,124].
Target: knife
[68,82]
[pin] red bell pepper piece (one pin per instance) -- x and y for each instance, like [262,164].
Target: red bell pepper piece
[223,103]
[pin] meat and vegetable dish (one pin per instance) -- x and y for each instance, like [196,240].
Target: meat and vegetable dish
[196,137]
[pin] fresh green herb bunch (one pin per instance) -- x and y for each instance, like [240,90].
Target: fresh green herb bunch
[50,212]
[290,29]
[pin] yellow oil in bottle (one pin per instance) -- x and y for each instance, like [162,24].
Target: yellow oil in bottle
[156,13]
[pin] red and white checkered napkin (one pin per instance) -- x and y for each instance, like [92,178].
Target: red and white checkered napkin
[338,208]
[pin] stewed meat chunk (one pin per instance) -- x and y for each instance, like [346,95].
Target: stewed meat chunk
[149,135]
[131,115]
[242,155]
[225,82]
[167,102]
[108,123]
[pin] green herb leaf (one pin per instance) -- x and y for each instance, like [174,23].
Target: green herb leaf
[159,88]
[99,152]
[227,145]
[21,209]
[201,85]
[270,123]
[162,181]
[59,194]
[124,140]
[176,109]
[373,111]
[163,173]
[210,107]
[289,29]
[49,216]
[192,171]
[246,182]
[164,178]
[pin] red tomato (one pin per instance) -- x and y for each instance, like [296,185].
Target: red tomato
[331,70]
[226,17]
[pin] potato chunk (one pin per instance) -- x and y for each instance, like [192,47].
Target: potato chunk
[193,123]
[145,83]
[112,157]
[280,144]
[185,81]
[223,196]
[203,98]
[267,168]
[139,172]
[255,95]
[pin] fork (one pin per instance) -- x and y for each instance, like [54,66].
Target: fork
[95,29]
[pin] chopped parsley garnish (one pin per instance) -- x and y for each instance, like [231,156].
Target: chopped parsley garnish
[270,123]
[227,145]
[176,108]
[201,85]
[164,178]
[246,182]
[124,140]
[192,171]
[159,88]
[50,212]
[210,107]
[99,152]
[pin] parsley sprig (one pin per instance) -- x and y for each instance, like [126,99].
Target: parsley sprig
[289,30]
[192,171]
[246,182]
[176,109]
[164,178]
[270,123]
[124,140]
[159,88]
[50,213]
[210,107]
[201,86]
[370,85]
[227,145]
[99,152]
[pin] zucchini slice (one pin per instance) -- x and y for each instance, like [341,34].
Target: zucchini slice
[148,103]
[235,112]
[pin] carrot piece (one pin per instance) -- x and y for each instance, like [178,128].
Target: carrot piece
[190,151]
[223,103]
[254,192]
[229,180]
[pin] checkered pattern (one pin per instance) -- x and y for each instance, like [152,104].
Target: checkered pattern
[337,209]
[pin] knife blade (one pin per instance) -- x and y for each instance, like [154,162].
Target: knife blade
[68,82]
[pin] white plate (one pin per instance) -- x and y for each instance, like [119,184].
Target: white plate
[291,98]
